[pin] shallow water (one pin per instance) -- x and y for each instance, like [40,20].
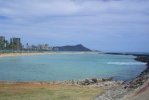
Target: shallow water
[68,67]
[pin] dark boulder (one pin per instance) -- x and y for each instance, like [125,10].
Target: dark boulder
[94,80]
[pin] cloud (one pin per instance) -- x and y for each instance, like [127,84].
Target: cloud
[36,8]
[74,21]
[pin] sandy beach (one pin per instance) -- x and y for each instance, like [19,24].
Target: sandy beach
[25,54]
[40,53]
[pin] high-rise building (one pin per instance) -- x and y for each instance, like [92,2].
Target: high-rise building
[16,43]
[43,47]
[2,42]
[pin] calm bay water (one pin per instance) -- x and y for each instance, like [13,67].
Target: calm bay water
[68,67]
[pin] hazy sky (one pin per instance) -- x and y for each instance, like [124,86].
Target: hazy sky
[106,25]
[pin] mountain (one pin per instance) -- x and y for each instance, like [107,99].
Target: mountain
[78,47]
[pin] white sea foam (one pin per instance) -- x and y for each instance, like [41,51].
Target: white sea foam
[126,63]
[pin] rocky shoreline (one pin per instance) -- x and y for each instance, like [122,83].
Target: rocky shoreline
[121,92]
[139,80]
[93,82]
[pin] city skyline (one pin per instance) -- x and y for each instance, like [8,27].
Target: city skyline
[14,44]
[105,25]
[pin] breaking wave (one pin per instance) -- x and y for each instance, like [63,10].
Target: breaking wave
[126,63]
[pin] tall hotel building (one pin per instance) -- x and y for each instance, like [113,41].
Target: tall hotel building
[16,42]
[2,42]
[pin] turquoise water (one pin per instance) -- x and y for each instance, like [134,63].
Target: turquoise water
[68,67]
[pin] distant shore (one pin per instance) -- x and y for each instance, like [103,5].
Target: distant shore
[40,53]
[21,54]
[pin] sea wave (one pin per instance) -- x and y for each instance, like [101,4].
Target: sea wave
[126,63]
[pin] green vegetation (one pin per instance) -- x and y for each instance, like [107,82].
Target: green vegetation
[47,92]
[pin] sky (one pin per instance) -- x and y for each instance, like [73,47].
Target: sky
[105,25]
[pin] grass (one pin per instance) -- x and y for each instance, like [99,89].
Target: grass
[30,91]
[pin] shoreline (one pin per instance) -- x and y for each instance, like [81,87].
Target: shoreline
[42,53]
[133,88]
[21,54]
[114,90]
[140,85]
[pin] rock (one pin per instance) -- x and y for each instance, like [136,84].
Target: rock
[72,82]
[142,58]
[120,82]
[112,94]
[87,82]
[94,80]
[107,79]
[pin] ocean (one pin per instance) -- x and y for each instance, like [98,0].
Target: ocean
[63,66]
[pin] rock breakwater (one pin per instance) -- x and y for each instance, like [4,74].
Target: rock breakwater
[120,92]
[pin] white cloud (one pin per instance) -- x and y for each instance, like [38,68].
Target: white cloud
[84,19]
[39,8]
[57,12]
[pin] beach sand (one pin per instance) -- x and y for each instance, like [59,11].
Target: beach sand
[41,53]
[24,54]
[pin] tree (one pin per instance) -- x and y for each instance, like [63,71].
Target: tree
[2,45]
[7,45]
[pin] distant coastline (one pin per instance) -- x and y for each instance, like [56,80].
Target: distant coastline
[128,53]
[44,53]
